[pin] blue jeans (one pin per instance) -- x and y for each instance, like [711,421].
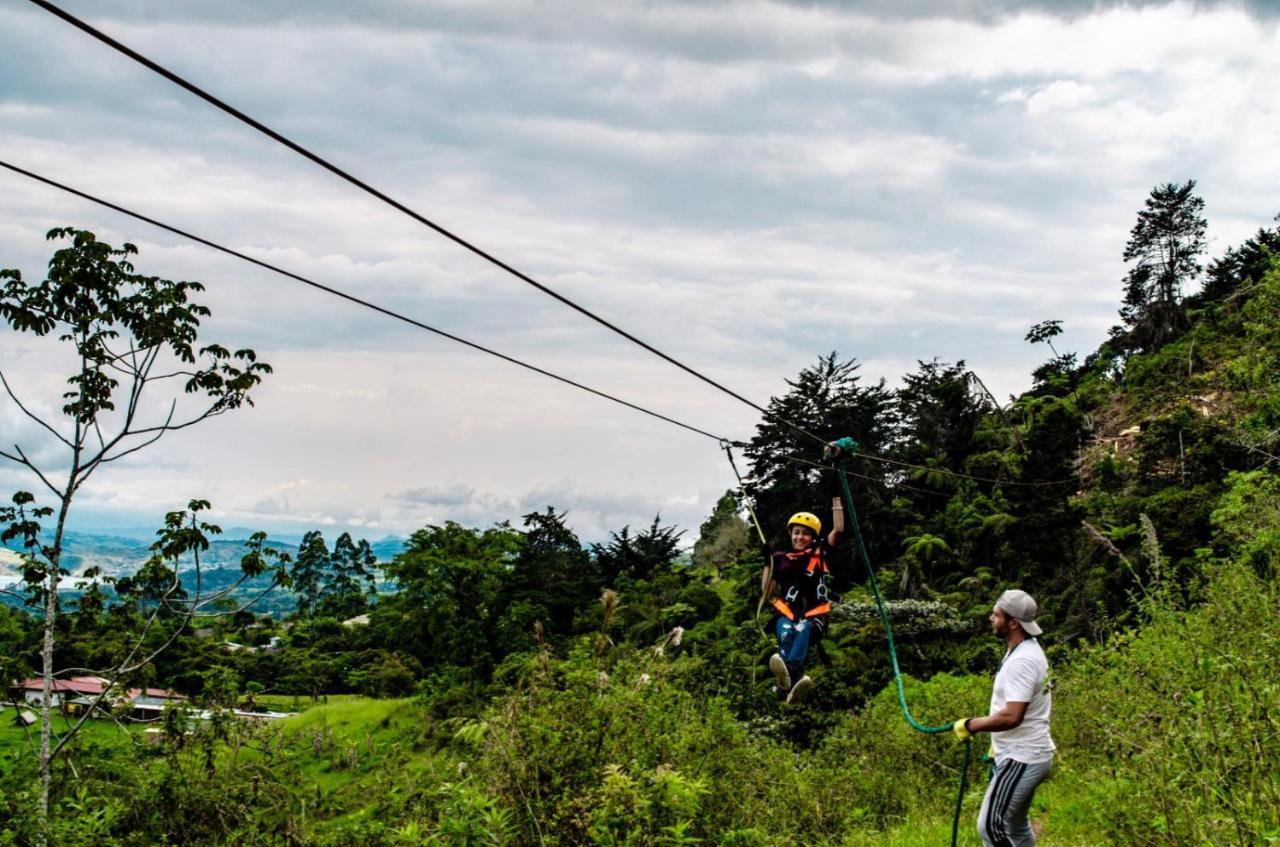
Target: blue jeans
[793,643]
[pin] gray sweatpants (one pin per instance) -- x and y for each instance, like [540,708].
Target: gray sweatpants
[1003,822]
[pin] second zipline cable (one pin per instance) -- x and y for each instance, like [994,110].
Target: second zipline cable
[353,299]
[341,173]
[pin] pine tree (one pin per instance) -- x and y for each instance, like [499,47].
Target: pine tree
[310,572]
[1165,247]
[829,401]
[1241,266]
[637,556]
[553,575]
[342,593]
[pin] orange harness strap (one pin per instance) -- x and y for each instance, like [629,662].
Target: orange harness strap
[816,562]
[785,610]
[820,609]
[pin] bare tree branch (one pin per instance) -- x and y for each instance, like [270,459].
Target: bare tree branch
[224,592]
[30,414]
[160,433]
[120,670]
[22,459]
[102,458]
[26,601]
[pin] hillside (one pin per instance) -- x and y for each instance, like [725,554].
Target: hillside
[522,688]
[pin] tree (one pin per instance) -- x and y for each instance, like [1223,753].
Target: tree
[938,415]
[343,592]
[448,580]
[637,556]
[1045,331]
[1055,374]
[1242,265]
[128,335]
[724,537]
[829,401]
[920,550]
[552,573]
[1164,246]
[310,572]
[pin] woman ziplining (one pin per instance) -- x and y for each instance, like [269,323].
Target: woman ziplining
[795,581]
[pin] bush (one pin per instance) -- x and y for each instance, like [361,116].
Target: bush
[1171,719]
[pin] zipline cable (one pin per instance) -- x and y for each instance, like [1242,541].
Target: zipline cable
[725,443]
[728,451]
[191,87]
[353,299]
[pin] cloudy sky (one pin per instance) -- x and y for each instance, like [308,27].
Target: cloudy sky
[747,185]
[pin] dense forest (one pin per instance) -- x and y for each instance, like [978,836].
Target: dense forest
[510,685]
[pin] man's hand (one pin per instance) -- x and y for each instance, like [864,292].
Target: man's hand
[958,728]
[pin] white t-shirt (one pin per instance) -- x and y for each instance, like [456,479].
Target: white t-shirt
[1024,678]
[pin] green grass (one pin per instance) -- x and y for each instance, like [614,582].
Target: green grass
[15,740]
[355,746]
[301,702]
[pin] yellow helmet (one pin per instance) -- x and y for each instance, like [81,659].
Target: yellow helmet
[806,519]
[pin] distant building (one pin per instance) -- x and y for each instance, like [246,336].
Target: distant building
[75,694]
[272,646]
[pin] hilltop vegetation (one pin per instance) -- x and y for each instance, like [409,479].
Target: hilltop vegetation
[522,688]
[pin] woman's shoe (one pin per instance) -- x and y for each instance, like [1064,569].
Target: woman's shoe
[800,690]
[780,672]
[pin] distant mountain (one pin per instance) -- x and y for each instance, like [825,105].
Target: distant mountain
[116,554]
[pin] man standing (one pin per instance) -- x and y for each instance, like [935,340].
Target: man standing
[1019,723]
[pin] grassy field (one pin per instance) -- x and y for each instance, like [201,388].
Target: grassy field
[15,740]
[300,702]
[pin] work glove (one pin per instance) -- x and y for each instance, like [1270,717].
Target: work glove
[961,733]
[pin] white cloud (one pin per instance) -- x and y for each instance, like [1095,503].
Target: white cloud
[1060,95]
[745,184]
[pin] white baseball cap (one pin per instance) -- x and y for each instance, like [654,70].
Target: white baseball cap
[1019,604]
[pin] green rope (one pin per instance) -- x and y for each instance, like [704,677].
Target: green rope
[848,445]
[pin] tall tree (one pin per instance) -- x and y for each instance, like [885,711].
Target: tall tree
[367,566]
[724,537]
[938,415]
[637,556]
[829,401]
[129,336]
[342,594]
[552,572]
[1164,248]
[1241,265]
[310,572]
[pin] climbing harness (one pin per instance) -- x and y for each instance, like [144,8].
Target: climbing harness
[794,605]
[787,612]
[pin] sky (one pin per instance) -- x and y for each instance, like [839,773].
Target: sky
[746,185]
